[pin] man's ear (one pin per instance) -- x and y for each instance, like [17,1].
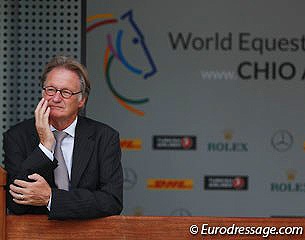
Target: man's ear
[82,102]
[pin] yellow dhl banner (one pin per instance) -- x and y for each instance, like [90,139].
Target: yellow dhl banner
[170,184]
[131,144]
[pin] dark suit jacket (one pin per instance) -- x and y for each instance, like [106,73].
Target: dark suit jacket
[96,175]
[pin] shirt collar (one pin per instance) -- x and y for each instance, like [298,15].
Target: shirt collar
[69,130]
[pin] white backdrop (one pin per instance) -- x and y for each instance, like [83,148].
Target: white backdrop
[219,86]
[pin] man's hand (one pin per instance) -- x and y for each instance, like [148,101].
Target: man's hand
[35,193]
[42,113]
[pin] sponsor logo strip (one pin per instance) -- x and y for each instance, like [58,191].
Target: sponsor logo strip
[131,144]
[169,184]
[236,183]
[165,142]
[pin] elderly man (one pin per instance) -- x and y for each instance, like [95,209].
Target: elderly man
[60,163]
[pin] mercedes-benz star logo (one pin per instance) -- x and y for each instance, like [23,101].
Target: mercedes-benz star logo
[181,212]
[130,178]
[282,140]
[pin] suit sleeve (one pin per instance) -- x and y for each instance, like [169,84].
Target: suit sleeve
[105,200]
[20,161]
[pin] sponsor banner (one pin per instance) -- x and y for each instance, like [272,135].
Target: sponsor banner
[177,142]
[170,184]
[181,212]
[227,145]
[130,178]
[114,43]
[289,185]
[131,144]
[282,140]
[244,42]
[138,211]
[226,183]
[234,82]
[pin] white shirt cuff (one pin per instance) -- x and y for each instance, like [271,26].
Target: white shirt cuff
[46,151]
[49,203]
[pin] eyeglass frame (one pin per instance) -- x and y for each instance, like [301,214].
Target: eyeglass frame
[60,91]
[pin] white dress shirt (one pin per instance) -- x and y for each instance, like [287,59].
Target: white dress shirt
[67,146]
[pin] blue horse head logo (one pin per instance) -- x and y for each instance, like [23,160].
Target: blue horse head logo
[114,51]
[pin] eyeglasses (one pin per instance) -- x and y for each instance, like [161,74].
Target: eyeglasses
[65,93]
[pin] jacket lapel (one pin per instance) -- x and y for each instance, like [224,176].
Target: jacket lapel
[34,136]
[83,147]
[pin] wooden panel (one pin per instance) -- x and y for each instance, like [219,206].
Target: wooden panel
[129,227]
[2,202]
[133,228]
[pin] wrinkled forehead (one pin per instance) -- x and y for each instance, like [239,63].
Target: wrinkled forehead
[62,77]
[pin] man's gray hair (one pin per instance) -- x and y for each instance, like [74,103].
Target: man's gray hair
[71,64]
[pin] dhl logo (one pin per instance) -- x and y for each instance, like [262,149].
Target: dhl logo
[170,184]
[131,144]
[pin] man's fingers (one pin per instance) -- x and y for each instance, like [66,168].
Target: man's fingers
[19,201]
[34,176]
[40,103]
[16,195]
[38,112]
[38,107]
[31,193]
[19,198]
[41,108]
[16,189]
[44,106]
[21,183]
[46,115]
[42,114]
[48,111]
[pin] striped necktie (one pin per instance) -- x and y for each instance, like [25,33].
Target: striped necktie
[61,172]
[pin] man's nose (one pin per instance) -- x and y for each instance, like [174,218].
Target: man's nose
[57,97]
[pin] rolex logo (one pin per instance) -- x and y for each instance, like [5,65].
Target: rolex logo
[291,174]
